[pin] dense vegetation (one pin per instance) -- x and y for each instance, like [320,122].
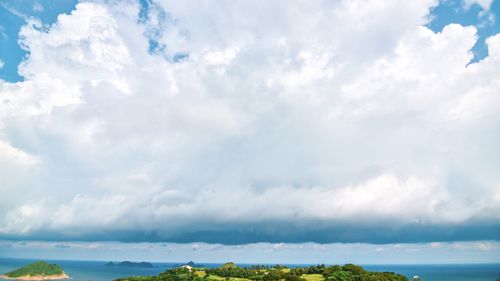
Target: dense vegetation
[231,272]
[39,268]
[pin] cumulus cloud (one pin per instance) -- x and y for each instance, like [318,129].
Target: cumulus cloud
[308,121]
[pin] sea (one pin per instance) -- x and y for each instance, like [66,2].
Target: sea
[98,271]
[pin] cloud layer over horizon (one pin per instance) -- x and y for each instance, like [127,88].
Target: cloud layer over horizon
[267,253]
[232,122]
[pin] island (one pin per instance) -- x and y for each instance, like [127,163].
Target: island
[232,272]
[39,270]
[190,263]
[131,264]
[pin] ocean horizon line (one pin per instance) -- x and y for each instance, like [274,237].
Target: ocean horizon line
[201,263]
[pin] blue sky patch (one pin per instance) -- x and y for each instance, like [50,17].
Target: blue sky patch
[486,22]
[13,15]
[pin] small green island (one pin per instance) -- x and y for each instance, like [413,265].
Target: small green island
[39,270]
[231,272]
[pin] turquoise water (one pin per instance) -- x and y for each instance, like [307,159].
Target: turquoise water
[97,271]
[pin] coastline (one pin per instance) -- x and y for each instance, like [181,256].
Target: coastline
[37,277]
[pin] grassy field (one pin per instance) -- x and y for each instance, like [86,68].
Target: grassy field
[219,278]
[313,277]
[200,273]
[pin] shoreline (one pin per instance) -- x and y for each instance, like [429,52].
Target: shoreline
[37,277]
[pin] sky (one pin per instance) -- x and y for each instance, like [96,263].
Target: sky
[305,132]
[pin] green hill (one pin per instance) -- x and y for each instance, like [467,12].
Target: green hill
[39,268]
[229,265]
[230,272]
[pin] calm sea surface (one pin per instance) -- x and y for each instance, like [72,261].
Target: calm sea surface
[98,271]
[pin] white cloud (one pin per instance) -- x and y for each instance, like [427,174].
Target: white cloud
[304,112]
[37,7]
[485,4]
[336,253]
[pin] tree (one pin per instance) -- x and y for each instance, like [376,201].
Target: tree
[229,265]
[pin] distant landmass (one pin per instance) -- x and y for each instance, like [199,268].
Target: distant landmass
[231,272]
[131,264]
[192,264]
[39,270]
